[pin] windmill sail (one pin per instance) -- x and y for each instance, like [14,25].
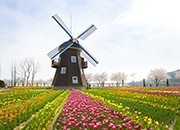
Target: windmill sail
[52,54]
[87,32]
[88,56]
[62,24]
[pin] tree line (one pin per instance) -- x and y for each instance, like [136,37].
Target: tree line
[23,72]
[155,76]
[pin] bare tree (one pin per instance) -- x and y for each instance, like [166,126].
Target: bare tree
[28,66]
[118,77]
[22,71]
[101,78]
[133,75]
[158,75]
[35,69]
[177,75]
[15,73]
[49,81]
[12,74]
[89,77]
[40,82]
[25,68]
[18,81]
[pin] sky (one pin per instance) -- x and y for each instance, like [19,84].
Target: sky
[132,36]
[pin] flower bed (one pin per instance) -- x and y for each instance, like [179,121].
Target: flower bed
[15,112]
[84,112]
[151,109]
[44,118]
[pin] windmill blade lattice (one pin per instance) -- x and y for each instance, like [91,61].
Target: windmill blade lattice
[52,54]
[88,56]
[87,32]
[62,24]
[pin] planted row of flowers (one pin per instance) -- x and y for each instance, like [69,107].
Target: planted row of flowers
[17,96]
[170,89]
[165,100]
[84,112]
[32,87]
[19,111]
[169,102]
[136,90]
[46,115]
[148,115]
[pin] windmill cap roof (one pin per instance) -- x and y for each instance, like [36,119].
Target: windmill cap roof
[66,43]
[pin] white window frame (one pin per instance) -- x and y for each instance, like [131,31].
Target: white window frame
[75,81]
[63,70]
[73,59]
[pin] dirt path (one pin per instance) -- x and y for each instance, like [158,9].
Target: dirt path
[26,122]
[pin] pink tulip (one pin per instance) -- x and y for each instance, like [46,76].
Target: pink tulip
[84,125]
[58,124]
[124,115]
[95,127]
[136,127]
[69,124]
[114,127]
[124,126]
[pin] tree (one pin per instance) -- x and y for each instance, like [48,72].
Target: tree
[144,83]
[35,69]
[158,75]
[2,84]
[177,75]
[28,67]
[118,77]
[22,72]
[15,74]
[133,75]
[101,78]
[89,77]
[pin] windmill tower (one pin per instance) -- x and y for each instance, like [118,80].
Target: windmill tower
[70,65]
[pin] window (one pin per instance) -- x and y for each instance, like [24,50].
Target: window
[73,59]
[75,79]
[63,70]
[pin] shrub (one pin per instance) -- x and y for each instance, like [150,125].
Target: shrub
[2,84]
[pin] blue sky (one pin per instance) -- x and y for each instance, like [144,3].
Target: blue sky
[132,36]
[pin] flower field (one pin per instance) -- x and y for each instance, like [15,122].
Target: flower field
[100,108]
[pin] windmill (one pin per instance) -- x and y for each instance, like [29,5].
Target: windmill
[70,65]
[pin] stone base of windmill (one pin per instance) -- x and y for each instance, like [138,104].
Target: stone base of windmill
[69,87]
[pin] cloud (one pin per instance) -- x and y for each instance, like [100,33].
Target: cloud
[153,13]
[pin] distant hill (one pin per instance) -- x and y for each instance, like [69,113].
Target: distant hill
[172,75]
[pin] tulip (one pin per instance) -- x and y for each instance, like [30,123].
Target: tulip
[58,124]
[114,127]
[136,127]
[84,125]
[124,126]
[95,127]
